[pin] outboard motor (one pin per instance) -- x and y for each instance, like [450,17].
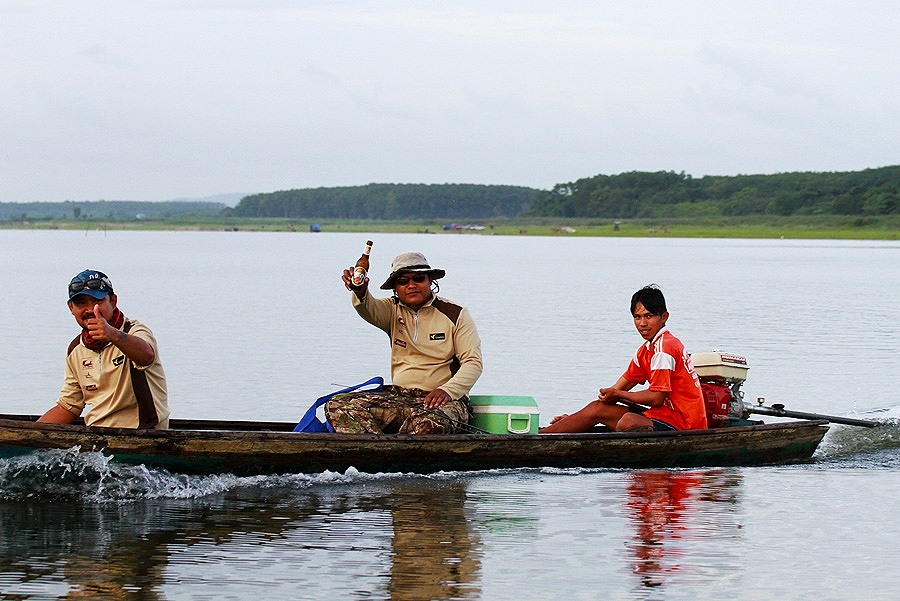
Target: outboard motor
[721,375]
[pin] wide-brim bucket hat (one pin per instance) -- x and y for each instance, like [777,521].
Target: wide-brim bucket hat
[411,262]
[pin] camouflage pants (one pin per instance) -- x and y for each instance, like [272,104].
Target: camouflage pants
[395,410]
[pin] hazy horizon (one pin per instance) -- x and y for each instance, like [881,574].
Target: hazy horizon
[186,98]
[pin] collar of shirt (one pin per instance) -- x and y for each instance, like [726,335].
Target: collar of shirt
[662,331]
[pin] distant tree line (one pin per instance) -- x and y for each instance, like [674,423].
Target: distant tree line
[636,194]
[108,209]
[663,194]
[669,194]
[391,201]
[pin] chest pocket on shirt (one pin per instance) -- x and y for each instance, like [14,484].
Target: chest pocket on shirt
[437,336]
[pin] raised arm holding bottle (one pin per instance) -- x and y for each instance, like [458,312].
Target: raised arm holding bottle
[435,356]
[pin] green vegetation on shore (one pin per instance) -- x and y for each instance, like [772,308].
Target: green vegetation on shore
[791,227]
[840,205]
[665,194]
[632,195]
[391,202]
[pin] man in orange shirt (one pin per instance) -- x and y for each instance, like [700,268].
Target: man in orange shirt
[672,401]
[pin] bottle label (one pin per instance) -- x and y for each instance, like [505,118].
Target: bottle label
[358,277]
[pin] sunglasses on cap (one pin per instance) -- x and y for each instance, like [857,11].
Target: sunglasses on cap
[403,280]
[91,284]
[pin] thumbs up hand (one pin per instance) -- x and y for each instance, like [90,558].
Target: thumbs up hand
[98,327]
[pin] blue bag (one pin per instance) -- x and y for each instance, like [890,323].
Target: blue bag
[311,422]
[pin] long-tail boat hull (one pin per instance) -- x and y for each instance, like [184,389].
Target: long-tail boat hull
[253,448]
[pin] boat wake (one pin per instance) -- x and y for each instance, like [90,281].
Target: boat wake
[69,474]
[842,440]
[55,475]
[92,477]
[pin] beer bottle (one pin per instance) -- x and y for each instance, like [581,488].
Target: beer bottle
[358,277]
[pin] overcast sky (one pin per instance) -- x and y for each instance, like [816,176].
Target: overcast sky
[128,100]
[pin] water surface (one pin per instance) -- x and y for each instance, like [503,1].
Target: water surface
[257,325]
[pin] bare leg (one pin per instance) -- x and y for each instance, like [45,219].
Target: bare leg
[634,422]
[595,412]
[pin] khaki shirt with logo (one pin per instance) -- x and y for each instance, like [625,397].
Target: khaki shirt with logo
[435,347]
[103,381]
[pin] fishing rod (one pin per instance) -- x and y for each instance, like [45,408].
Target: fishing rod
[465,426]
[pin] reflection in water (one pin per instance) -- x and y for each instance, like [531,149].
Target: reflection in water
[83,552]
[667,511]
[401,539]
[434,547]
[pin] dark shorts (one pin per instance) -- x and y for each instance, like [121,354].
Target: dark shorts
[661,426]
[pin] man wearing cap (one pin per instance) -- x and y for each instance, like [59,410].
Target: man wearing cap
[435,356]
[113,365]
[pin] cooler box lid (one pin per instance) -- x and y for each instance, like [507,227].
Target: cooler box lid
[491,403]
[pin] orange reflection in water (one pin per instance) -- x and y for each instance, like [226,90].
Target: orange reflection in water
[662,506]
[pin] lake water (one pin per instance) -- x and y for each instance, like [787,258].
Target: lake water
[258,325]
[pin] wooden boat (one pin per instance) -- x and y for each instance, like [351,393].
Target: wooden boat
[252,448]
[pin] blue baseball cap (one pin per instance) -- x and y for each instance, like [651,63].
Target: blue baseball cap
[91,282]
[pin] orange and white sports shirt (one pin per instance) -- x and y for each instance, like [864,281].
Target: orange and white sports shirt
[666,365]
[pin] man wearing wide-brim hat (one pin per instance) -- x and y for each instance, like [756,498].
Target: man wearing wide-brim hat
[435,356]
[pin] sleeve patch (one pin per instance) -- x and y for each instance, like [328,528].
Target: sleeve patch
[662,361]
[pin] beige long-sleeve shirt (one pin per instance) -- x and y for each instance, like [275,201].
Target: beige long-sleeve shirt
[435,347]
